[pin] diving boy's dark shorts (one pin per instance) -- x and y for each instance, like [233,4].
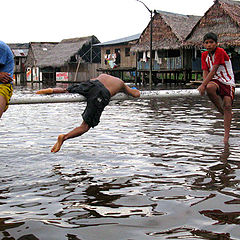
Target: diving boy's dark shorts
[97,97]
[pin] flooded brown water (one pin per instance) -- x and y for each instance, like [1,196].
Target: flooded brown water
[150,170]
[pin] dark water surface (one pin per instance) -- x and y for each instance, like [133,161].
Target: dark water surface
[150,170]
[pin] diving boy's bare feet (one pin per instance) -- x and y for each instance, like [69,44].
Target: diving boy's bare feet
[45,91]
[58,144]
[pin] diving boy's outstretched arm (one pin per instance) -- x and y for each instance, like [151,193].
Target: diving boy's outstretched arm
[132,92]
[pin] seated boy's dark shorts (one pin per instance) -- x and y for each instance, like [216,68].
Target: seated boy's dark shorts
[97,97]
[224,90]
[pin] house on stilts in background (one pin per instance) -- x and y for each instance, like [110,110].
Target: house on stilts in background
[116,57]
[71,60]
[222,18]
[37,51]
[176,50]
[20,53]
[169,58]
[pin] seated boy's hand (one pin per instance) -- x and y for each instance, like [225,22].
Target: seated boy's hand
[201,89]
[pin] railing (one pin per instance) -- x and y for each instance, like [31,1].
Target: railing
[172,63]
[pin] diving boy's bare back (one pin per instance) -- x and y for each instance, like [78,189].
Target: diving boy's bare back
[113,84]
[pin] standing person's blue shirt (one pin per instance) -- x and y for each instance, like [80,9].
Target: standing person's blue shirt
[6,59]
[6,76]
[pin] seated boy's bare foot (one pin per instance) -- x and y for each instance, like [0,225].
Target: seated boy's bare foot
[58,144]
[45,91]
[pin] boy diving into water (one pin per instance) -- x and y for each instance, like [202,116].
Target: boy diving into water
[98,93]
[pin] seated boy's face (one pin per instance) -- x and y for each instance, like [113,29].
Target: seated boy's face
[210,45]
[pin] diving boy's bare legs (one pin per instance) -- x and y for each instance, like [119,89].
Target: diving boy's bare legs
[76,132]
[211,90]
[51,91]
[227,107]
[3,103]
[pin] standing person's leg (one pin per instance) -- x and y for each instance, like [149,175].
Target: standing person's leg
[76,132]
[227,108]
[3,104]
[5,96]
[211,90]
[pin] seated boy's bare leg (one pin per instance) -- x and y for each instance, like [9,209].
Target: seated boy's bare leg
[227,117]
[215,99]
[58,144]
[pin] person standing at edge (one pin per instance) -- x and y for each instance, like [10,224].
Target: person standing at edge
[98,93]
[218,79]
[6,76]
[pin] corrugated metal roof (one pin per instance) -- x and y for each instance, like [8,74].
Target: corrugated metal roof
[18,45]
[20,52]
[120,40]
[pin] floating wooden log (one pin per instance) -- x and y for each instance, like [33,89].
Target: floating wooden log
[67,97]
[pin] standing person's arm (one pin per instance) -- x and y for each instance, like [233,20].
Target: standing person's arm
[5,77]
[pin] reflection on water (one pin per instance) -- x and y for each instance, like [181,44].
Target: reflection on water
[152,169]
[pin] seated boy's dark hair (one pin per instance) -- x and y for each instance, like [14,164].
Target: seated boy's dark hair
[210,35]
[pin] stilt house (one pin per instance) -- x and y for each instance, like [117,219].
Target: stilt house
[20,52]
[71,60]
[116,57]
[168,33]
[37,51]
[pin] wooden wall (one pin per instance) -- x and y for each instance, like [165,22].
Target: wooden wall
[86,71]
[126,61]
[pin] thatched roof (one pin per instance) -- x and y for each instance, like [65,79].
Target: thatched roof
[62,52]
[223,18]
[41,49]
[38,50]
[169,31]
